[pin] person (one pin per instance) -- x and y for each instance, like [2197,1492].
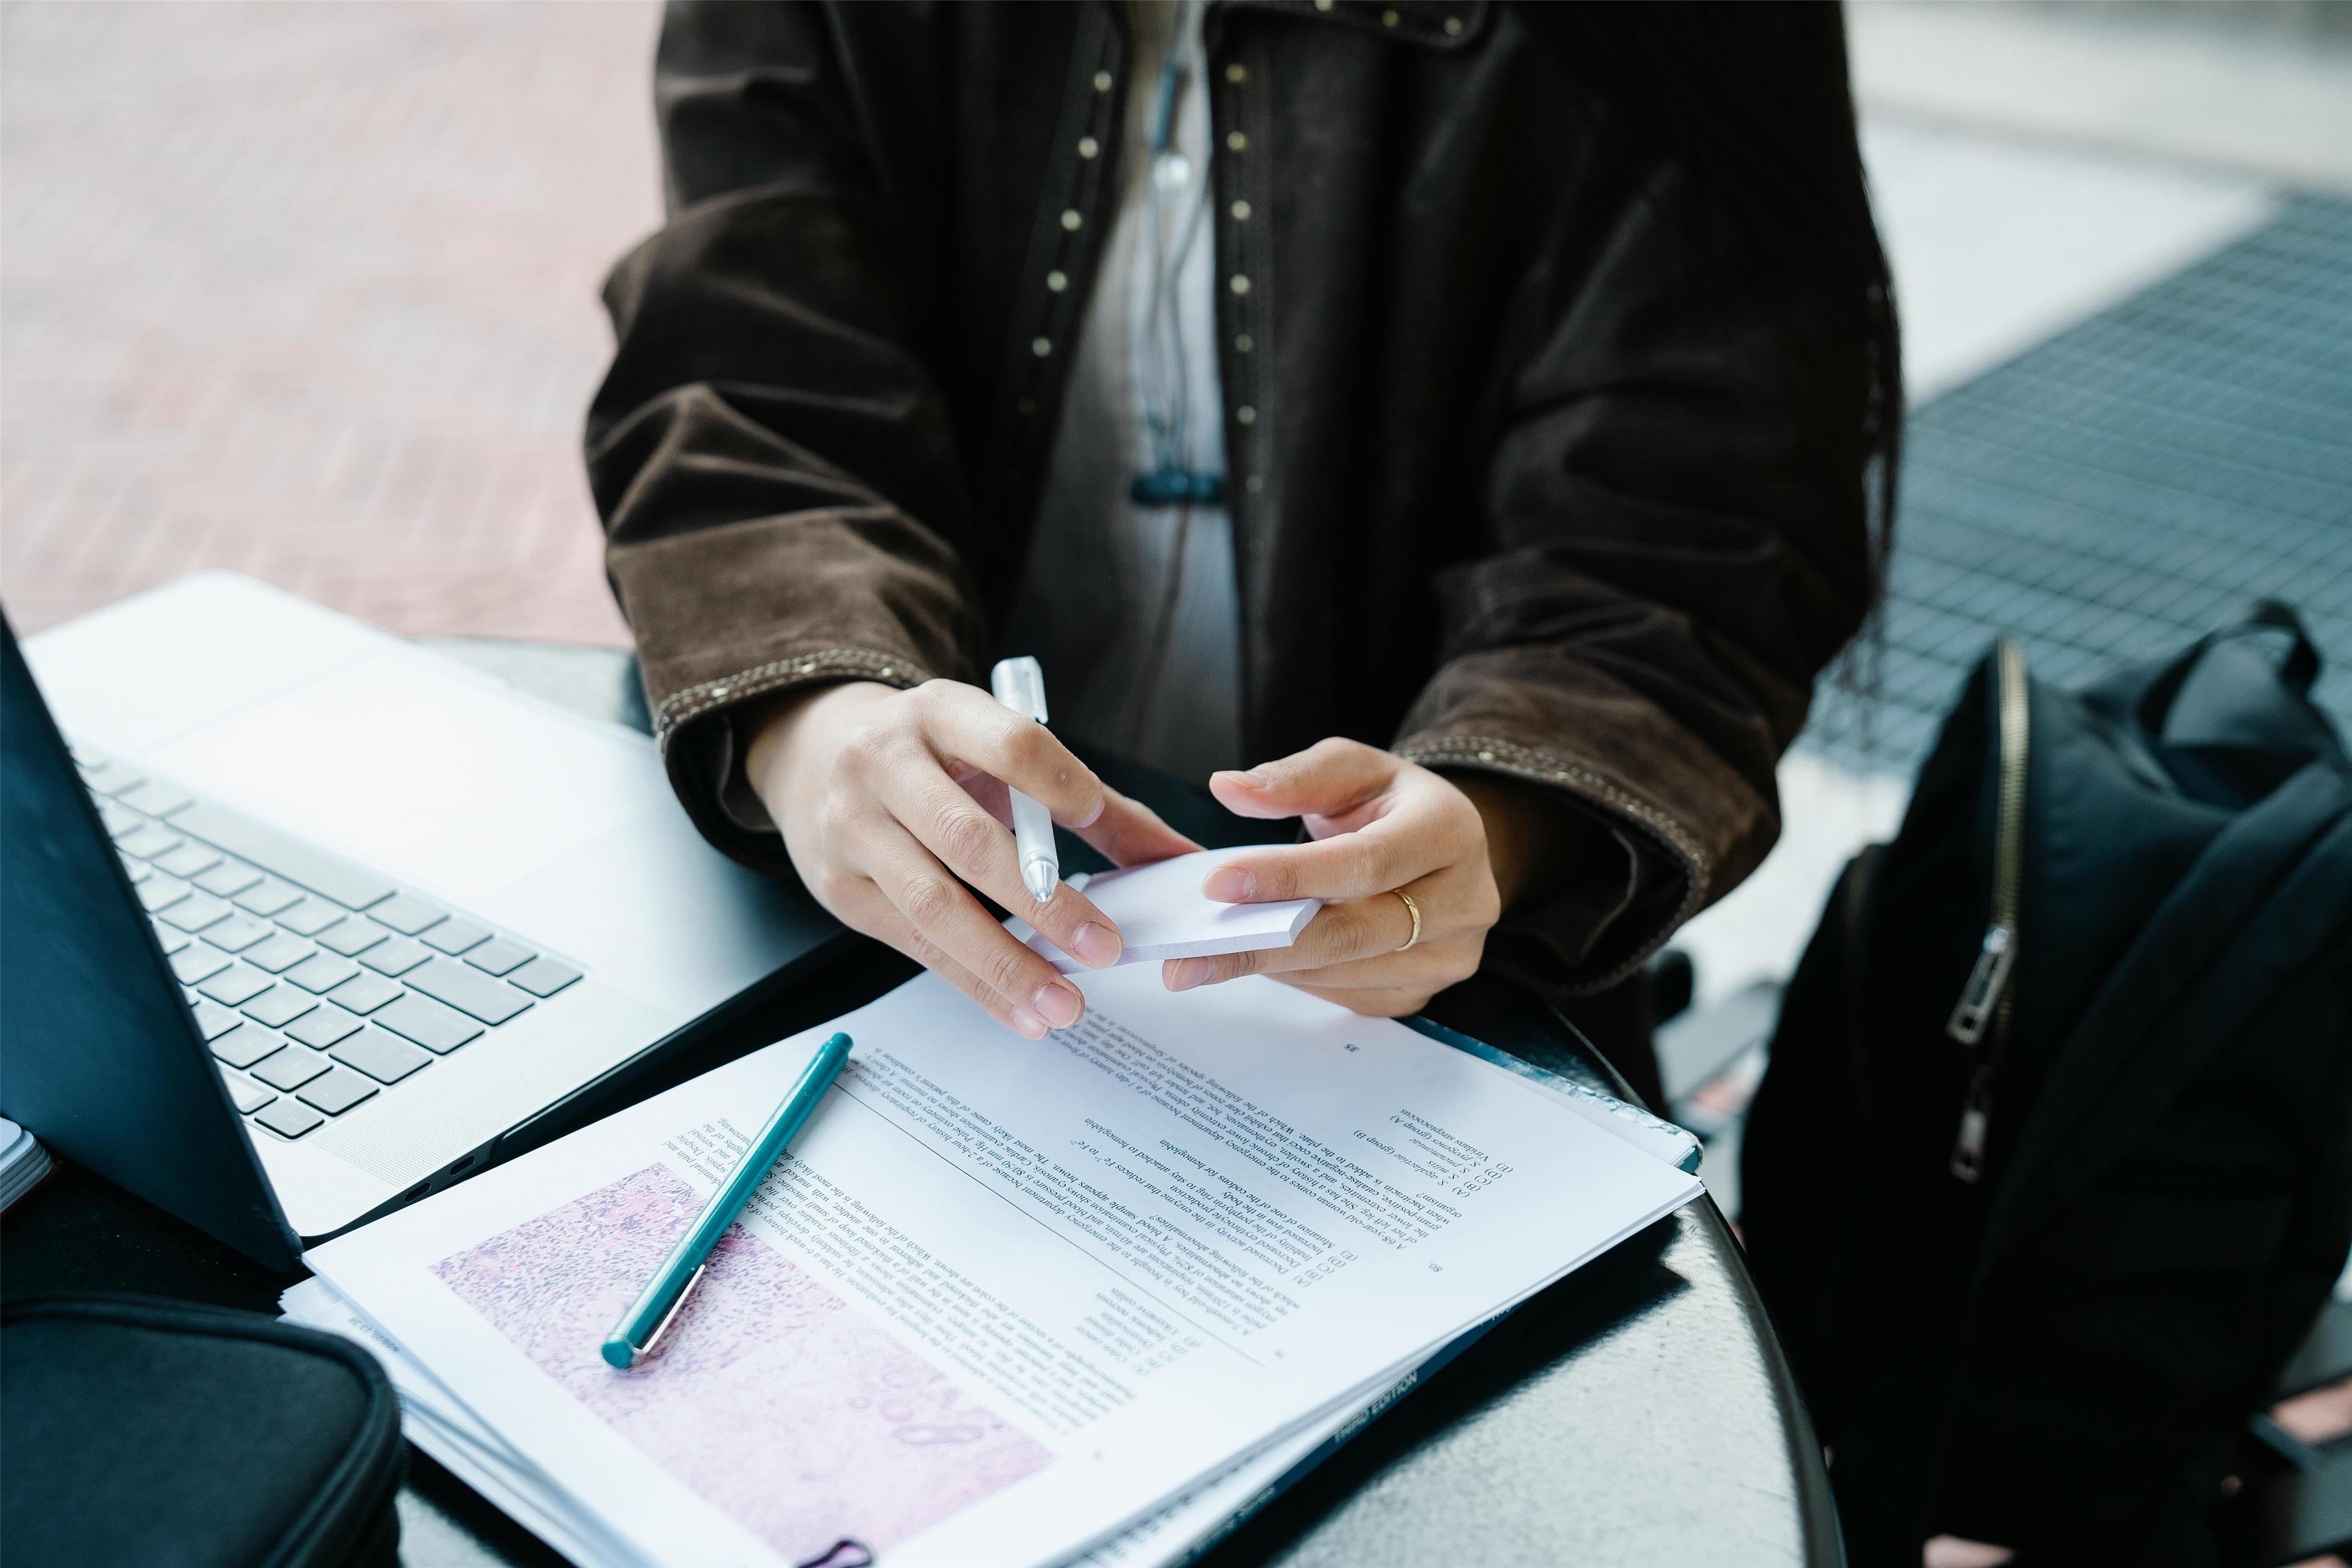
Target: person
[1467,428]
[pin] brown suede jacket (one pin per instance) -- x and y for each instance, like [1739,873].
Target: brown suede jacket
[1531,471]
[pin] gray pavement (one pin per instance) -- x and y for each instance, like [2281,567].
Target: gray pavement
[310,291]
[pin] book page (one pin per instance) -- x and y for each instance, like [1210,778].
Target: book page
[1002,1297]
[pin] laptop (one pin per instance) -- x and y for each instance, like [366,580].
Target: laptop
[300,921]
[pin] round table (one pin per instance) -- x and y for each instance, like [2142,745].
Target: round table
[1639,1412]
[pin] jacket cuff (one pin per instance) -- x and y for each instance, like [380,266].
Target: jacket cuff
[1683,770]
[1649,874]
[727,694]
[702,742]
[731,617]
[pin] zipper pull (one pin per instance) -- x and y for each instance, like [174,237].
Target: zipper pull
[1981,995]
[1976,1113]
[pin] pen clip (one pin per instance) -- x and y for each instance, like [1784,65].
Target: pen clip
[1020,684]
[643,1351]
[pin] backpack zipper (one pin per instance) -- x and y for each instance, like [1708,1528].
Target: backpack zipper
[1986,998]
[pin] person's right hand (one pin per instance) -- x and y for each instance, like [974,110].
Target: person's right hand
[886,797]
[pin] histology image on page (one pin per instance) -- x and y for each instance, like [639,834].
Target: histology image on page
[770,1399]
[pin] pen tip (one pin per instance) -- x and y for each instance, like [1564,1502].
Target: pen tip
[1040,879]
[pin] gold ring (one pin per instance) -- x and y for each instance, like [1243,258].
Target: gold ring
[1415,910]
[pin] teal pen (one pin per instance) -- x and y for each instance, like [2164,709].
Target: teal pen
[648,1318]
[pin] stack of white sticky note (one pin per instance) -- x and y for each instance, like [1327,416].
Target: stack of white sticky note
[1161,913]
[23,1162]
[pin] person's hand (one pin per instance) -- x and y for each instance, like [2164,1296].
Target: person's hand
[887,797]
[1459,848]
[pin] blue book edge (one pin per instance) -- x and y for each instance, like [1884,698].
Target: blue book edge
[1638,1127]
[1651,1134]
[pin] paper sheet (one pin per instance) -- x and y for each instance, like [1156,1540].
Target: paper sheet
[1004,1298]
[1161,913]
[440,1424]
[437,1420]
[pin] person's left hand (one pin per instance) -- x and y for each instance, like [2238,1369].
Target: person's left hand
[1380,826]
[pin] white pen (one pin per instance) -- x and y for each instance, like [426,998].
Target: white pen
[1020,685]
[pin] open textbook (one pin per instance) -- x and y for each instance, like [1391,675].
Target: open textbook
[438,1422]
[1005,1301]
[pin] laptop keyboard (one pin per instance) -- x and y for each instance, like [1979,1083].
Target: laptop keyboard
[318,985]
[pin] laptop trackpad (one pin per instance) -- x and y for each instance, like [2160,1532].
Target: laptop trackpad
[428,774]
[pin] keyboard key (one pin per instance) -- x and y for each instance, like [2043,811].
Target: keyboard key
[269,898]
[120,821]
[397,956]
[338,1091]
[159,893]
[196,912]
[429,1024]
[112,778]
[228,878]
[352,937]
[279,1006]
[238,933]
[136,870]
[188,859]
[172,940]
[321,973]
[380,1055]
[149,842]
[364,993]
[500,956]
[291,1067]
[455,935]
[247,1095]
[86,757]
[448,980]
[297,863]
[240,984]
[194,963]
[288,1118]
[309,918]
[212,1020]
[247,1044]
[154,797]
[323,1027]
[279,954]
[543,977]
[406,915]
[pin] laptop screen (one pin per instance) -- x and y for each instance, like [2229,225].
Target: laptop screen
[99,1057]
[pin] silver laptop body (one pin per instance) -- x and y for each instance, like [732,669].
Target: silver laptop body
[409,907]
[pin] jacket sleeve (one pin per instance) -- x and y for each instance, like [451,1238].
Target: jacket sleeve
[1677,544]
[766,323]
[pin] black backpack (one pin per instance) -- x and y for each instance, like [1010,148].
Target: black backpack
[2053,1164]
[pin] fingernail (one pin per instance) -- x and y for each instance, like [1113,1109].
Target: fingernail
[1097,946]
[1249,778]
[1186,973]
[1229,885]
[1059,1003]
[1024,1022]
[1096,815]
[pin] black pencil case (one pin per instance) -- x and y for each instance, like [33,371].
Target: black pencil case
[148,1433]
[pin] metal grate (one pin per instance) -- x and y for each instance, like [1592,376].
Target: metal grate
[2128,486]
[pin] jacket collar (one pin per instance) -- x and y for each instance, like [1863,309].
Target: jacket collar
[1429,24]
